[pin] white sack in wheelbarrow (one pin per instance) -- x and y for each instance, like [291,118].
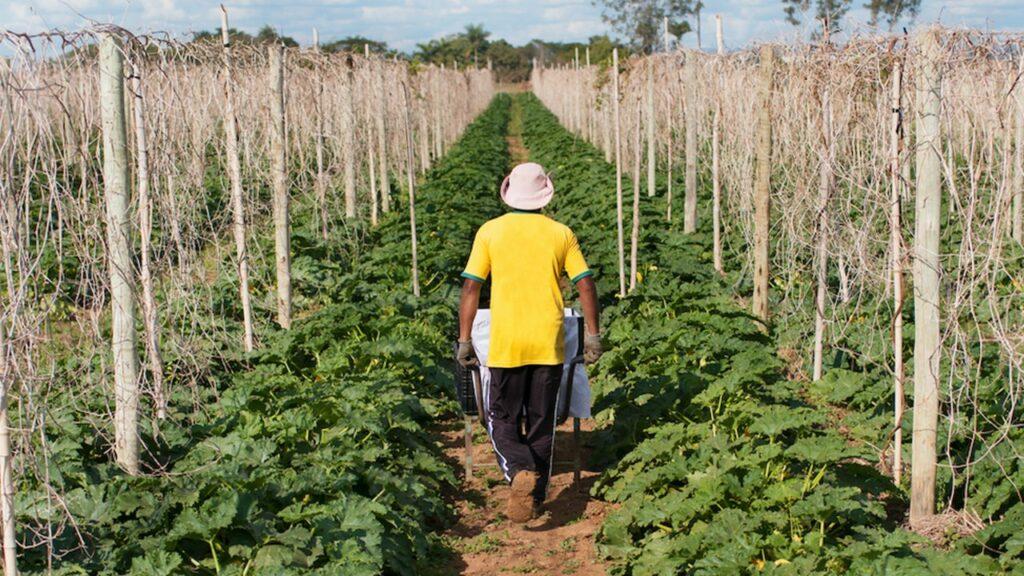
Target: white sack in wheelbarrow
[579,406]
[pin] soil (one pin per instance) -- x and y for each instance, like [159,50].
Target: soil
[560,541]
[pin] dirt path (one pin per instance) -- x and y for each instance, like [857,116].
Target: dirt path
[561,541]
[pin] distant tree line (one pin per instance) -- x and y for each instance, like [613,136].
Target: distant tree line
[469,48]
[646,26]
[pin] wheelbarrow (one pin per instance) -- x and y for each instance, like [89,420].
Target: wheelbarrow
[470,394]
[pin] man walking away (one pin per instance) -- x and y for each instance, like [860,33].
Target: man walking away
[525,254]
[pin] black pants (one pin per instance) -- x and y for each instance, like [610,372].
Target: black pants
[522,418]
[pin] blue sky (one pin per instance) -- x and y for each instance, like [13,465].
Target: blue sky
[404,23]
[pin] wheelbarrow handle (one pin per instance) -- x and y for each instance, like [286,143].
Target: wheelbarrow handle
[478,393]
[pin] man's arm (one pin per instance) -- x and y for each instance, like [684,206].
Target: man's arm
[469,301]
[588,299]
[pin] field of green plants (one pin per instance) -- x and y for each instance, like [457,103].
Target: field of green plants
[313,455]
[720,464]
[319,453]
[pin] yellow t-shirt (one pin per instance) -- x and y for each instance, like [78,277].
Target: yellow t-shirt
[526,252]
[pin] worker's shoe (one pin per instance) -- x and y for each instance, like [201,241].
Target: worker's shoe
[520,499]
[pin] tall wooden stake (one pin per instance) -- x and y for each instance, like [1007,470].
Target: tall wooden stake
[122,302]
[716,188]
[719,38]
[235,175]
[669,158]
[762,184]
[927,268]
[589,107]
[651,142]
[150,315]
[412,192]
[896,247]
[821,258]
[8,357]
[371,154]
[7,372]
[690,209]
[1017,218]
[279,171]
[577,111]
[321,181]
[382,141]
[716,179]
[634,236]
[618,171]
[348,148]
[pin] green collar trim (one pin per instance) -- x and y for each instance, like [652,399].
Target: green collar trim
[515,211]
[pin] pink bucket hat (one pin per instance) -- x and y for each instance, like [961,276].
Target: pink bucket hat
[527,187]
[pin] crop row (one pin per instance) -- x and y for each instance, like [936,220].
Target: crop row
[316,458]
[718,462]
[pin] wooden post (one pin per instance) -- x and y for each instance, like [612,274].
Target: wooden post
[927,343]
[618,171]
[762,184]
[371,154]
[380,112]
[651,143]
[577,114]
[320,185]
[669,158]
[279,172]
[634,236]
[896,248]
[690,209]
[117,191]
[8,358]
[606,128]
[716,179]
[436,101]
[665,38]
[424,139]
[150,315]
[412,193]
[1017,219]
[235,175]
[716,188]
[696,16]
[7,373]
[821,256]
[590,105]
[348,128]
[718,34]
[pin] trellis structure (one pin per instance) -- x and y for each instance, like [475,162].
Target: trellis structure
[847,132]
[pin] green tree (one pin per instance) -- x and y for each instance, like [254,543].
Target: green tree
[892,10]
[601,49]
[642,21]
[476,37]
[833,10]
[356,44]
[267,35]
[510,64]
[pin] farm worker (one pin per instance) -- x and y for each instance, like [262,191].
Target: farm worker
[525,253]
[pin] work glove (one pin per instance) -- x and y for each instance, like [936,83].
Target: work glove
[592,348]
[466,356]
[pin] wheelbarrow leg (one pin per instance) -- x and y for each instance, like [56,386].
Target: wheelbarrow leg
[468,432]
[576,450]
